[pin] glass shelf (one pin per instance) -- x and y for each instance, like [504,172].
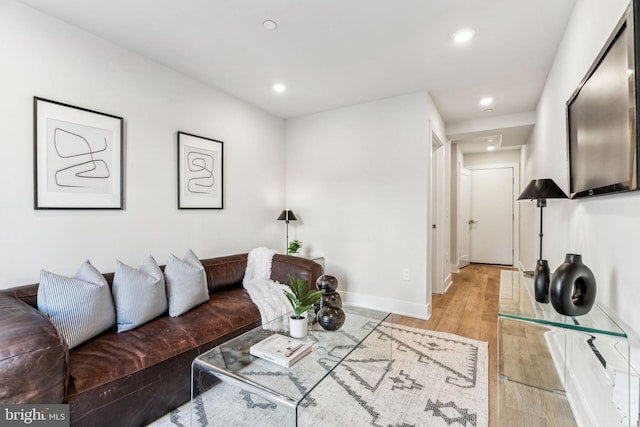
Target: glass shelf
[517,302]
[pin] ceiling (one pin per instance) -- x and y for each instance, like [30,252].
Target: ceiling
[334,53]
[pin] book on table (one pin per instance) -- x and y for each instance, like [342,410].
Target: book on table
[281,350]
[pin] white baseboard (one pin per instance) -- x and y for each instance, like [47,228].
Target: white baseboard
[455,268]
[521,267]
[405,308]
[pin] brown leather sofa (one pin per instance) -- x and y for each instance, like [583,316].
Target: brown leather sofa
[134,377]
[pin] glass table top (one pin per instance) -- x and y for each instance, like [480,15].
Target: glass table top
[517,301]
[232,361]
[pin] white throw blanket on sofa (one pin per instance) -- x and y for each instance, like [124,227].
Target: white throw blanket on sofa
[267,294]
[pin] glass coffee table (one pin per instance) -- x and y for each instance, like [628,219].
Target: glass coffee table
[231,387]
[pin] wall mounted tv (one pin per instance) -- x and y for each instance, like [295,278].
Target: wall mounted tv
[601,119]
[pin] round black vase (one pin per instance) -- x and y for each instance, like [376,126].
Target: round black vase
[573,287]
[330,298]
[331,318]
[541,281]
[327,283]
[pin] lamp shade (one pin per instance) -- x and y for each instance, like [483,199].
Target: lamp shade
[542,189]
[287,215]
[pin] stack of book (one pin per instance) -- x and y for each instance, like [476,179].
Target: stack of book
[280,349]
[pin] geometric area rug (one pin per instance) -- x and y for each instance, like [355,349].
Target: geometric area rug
[432,379]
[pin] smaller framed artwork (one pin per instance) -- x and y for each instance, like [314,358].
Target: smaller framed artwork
[200,177]
[77,157]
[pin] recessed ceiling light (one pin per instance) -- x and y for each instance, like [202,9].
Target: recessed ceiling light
[269,24]
[279,87]
[464,35]
[486,101]
[491,147]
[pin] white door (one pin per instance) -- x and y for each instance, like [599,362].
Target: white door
[464,215]
[492,216]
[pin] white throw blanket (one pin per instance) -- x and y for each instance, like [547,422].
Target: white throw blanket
[267,294]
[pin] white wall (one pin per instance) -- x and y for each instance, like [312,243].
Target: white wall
[491,158]
[358,178]
[606,229]
[44,57]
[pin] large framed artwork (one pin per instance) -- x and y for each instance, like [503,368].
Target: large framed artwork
[77,157]
[200,184]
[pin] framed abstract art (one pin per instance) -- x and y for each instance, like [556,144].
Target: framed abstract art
[77,157]
[200,177]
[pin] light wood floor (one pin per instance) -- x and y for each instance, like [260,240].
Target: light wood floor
[470,309]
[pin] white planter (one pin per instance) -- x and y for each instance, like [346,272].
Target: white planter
[298,327]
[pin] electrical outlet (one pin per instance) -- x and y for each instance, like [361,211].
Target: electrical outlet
[406,274]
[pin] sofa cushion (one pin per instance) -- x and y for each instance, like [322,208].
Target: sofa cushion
[80,307]
[139,295]
[186,283]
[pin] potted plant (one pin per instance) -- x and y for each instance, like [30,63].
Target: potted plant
[302,300]
[294,246]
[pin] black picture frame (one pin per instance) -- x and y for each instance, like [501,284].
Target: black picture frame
[200,172]
[78,157]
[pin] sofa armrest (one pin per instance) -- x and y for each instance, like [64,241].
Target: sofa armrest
[284,265]
[33,355]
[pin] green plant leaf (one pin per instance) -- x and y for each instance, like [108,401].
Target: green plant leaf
[294,246]
[300,297]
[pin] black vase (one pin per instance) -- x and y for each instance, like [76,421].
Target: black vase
[330,298]
[331,318]
[327,283]
[573,287]
[541,281]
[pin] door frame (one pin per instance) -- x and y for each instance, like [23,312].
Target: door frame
[459,222]
[516,205]
[438,217]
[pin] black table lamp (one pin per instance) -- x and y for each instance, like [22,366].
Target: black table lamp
[541,190]
[286,216]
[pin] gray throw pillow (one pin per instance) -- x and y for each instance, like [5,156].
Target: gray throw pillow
[186,283]
[139,295]
[80,307]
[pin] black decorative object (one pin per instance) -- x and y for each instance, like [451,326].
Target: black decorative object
[329,311]
[573,287]
[541,281]
[330,298]
[541,190]
[331,318]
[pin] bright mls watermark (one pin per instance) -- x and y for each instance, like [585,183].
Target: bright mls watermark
[34,415]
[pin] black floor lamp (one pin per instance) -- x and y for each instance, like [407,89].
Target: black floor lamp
[286,216]
[541,190]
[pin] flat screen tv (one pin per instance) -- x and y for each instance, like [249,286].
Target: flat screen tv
[602,121]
